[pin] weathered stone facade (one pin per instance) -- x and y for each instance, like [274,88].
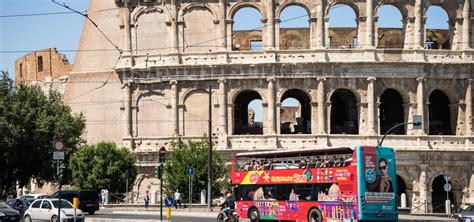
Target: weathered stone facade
[155,86]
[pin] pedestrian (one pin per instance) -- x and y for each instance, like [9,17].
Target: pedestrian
[146,198]
[177,199]
[103,195]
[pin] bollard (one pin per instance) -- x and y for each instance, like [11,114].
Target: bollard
[203,196]
[403,200]
[168,213]
[448,207]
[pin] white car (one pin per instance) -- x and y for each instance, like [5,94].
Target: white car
[47,209]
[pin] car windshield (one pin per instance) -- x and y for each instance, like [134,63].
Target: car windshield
[64,204]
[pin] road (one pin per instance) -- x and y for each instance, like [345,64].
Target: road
[120,215]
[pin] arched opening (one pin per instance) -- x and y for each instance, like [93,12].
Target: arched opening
[439,114]
[294,28]
[247,30]
[391,112]
[438,32]
[344,113]
[439,195]
[295,112]
[342,27]
[401,188]
[391,33]
[246,105]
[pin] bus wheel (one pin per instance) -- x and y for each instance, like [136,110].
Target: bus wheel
[315,216]
[254,215]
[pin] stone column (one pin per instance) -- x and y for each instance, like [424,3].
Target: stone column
[407,27]
[271,106]
[127,110]
[277,34]
[127,28]
[369,41]
[417,44]
[423,191]
[230,119]
[270,44]
[222,107]
[229,24]
[466,25]
[222,114]
[320,24]
[420,108]
[313,33]
[468,114]
[471,185]
[174,26]
[222,26]
[326,40]
[321,105]
[371,107]
[174,104]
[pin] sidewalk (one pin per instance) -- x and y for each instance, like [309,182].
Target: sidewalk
[155,210]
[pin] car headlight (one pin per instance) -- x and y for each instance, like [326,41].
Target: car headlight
[2,214]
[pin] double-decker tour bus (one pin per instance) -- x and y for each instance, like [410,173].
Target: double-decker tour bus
[331,184]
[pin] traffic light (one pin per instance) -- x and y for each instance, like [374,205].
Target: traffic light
[159,171]
[61,167]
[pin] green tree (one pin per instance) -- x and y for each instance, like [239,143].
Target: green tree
[30,120]
[103,166]
[194,154]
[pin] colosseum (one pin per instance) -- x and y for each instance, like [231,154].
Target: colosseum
[142,77]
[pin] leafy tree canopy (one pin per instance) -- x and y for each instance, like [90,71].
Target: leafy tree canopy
[194,154]
[30,121]
[103,166]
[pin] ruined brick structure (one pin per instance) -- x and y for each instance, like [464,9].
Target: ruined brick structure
[352,84]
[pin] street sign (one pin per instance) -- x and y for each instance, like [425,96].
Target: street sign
[168,201]
[58,146]
[417,121]
[448,187]
[447,178]
[58,155]
[189,171]
[162,152]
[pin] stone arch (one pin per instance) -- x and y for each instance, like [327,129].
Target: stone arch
[440,114]
[438,195]
[234,93]
[186,93]
[390,37]
[395,3]
[343,2]
[344,112]
[284,5]
[195,112]
[391,111]
[235,8]
[304,121]
[139,11]
[149,105]
[190,7]
[243,123]
[440,40]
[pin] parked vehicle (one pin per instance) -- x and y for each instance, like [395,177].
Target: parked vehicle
[33,196]
[47,209]
[88,199]
[466,213]
[21,205]
[8,214]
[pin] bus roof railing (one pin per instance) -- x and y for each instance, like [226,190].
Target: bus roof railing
[297,152]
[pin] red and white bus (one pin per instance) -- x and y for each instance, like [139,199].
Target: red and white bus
[331,184]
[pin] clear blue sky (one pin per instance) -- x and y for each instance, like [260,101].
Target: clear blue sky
[30,33]
[22,34]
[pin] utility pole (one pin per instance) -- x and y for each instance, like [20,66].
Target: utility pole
[209,155]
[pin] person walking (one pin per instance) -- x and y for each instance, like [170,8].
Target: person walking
[177,199]
[146,198]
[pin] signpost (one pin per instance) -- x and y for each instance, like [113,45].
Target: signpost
[58,155]
[162,154]
[447,187]
[189,171]
[168,203]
